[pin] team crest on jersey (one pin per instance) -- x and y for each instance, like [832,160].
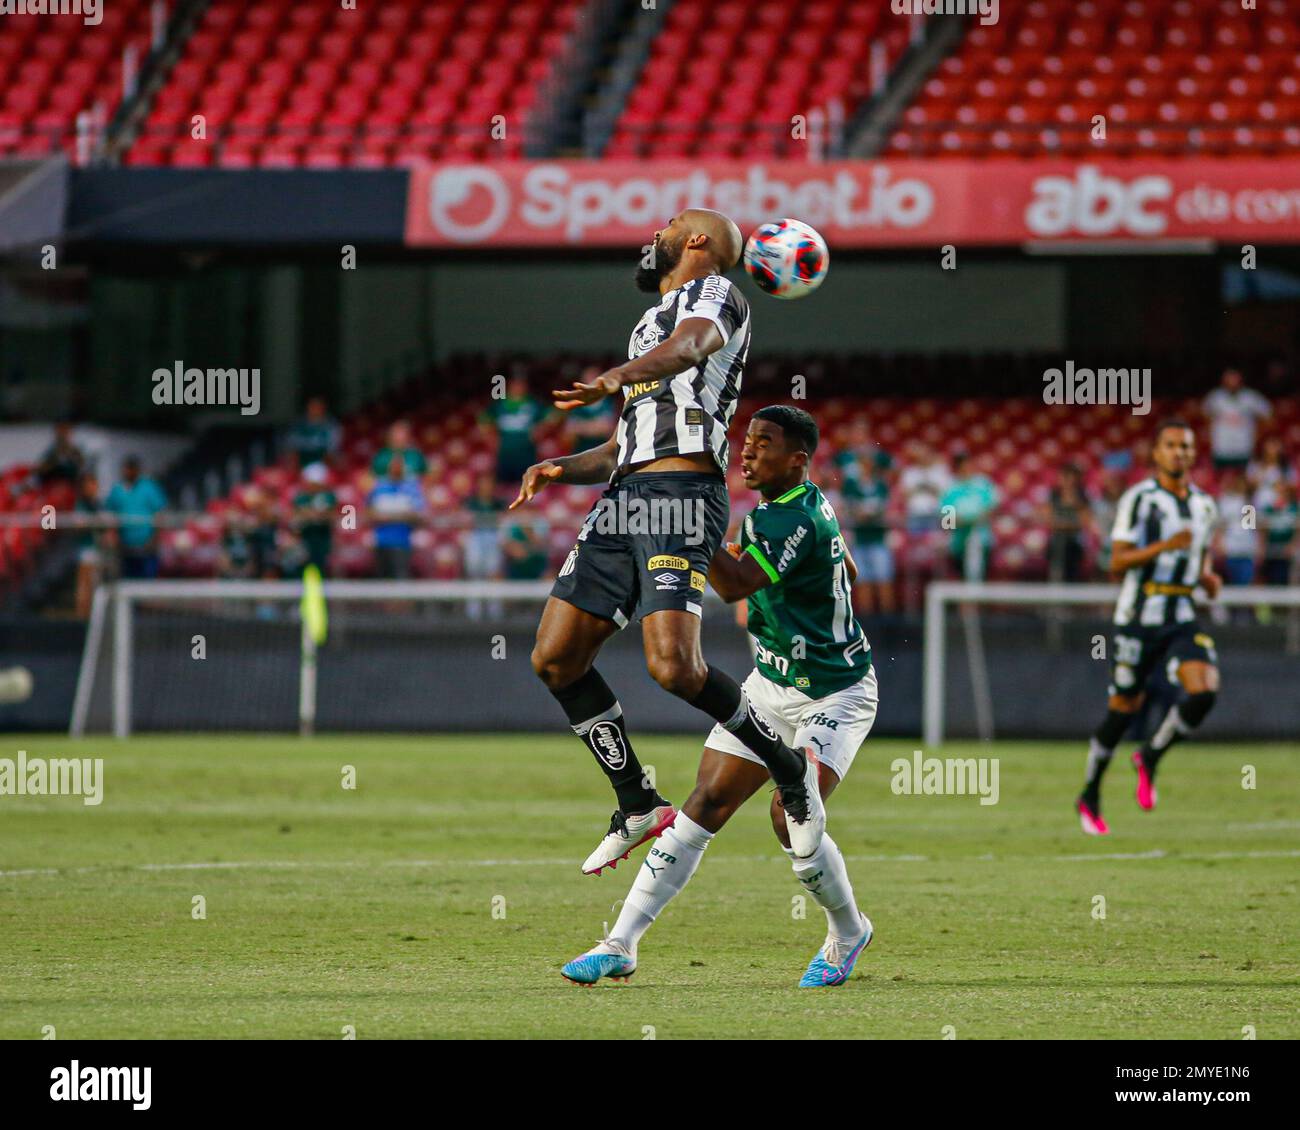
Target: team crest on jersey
[646,336]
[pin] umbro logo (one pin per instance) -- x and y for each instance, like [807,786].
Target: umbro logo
[666,579]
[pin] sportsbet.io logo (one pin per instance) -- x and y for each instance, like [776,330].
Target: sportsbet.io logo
[607,741]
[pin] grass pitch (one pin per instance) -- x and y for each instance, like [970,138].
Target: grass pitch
[440,897]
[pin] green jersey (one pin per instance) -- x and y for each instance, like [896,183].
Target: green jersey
[803,622]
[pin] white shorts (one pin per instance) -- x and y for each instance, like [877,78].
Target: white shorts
[835,726]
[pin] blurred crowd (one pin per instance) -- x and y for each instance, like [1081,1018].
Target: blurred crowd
[936,510]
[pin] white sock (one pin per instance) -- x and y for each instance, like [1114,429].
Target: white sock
[824,876]
[666,869]
[1171,728]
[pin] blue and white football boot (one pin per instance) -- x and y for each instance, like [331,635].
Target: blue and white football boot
[608,958]
[833,963]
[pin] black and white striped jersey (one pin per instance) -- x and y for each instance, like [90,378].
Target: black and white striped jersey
[691,411]
[1160,592]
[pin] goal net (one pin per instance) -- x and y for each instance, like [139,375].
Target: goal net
[1032,660]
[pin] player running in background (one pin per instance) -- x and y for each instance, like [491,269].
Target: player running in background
[668,456]
[813,677]
[1160,545]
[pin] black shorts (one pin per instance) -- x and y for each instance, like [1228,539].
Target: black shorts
[1135,650]
[646,546]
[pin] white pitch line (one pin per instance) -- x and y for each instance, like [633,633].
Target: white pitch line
[306,865]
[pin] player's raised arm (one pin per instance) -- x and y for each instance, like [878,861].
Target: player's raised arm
[691,342]
[586,467]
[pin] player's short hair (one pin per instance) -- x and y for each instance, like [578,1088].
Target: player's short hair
[799,427]
[1172,422]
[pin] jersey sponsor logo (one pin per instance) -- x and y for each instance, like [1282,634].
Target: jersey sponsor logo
[714,289]
[820,719]
[697,580]
[1204,640]
[641,386]
[607,743]
[790,548]
[770,657]
[762,723]
[749,526]
[664,561]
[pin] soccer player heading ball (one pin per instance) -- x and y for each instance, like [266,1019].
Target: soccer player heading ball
[813,677]
[667,459]
[1160,545]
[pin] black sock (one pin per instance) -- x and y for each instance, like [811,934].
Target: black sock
[597,718]
[1183,717]
[722,700]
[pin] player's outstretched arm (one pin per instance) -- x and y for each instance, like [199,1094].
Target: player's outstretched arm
[586,467]
[692,341]
[735,575]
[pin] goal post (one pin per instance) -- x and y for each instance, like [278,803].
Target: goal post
[261,613]
[970,597]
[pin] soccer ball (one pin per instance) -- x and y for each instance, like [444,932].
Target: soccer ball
[788,259]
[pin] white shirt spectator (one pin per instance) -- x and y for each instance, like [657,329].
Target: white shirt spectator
[923,486]
[1238,540]
[1233,416]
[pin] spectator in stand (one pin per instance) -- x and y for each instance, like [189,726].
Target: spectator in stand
[135,500]
[91,540]
[1281,519]
[1233,410]
[316,437]
[1270,469]
[63,461]
[1068,517]
[1239,535]
[865,490]
[515,419]
[483,556]
[236,562]
[965,509]
[525,549]
[590,425]
[924,481]
[400,443]
[859,452]
[264,535]
[396,505]
[314,510]
[1104,508]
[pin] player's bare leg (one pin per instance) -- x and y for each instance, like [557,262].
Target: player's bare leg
[1119,716]
[675,662]
[1200,683]
[568,641]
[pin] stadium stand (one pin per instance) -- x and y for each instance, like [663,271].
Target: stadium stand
[1019,443]
[751,69]
[1171,77]
[51,71]
[320,86]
